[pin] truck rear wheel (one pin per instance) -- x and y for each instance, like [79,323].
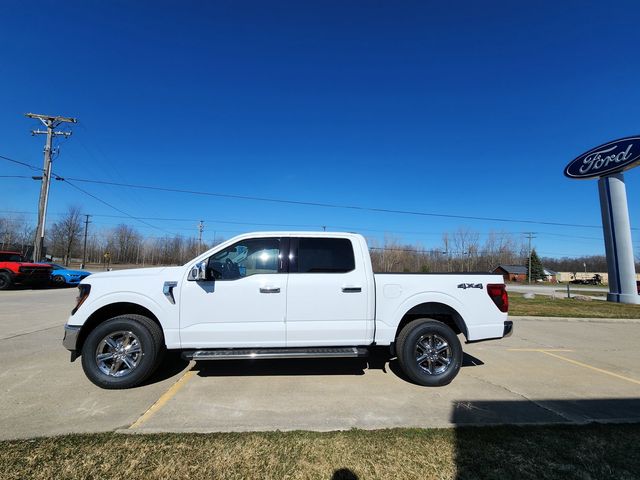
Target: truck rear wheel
[122,352]
[429,352]
[5,281]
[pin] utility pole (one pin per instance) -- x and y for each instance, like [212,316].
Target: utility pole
[531,237]
[51,123]
[84,249]
[200,230]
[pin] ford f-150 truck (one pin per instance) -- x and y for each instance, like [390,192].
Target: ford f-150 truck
[14,270]
[281,295]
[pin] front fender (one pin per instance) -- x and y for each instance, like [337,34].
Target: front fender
[93,305]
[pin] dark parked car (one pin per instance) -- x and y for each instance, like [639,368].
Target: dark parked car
[16,270]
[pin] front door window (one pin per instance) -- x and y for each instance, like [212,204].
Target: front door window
[245,258]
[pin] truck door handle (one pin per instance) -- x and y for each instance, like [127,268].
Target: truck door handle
[351,289]
[269,289]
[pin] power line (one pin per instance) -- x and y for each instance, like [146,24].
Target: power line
[329,205]
[24,164]
[113,207]
[325,205]
[305,225]
[58,177]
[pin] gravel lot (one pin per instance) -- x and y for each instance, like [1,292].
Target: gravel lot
[549,371]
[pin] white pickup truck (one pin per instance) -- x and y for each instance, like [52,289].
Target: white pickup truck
[281,295]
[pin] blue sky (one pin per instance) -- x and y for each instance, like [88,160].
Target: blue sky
[462,108]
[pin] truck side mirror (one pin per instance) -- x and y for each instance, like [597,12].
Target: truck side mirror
[198,272]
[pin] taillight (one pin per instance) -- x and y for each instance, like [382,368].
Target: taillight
[498,293]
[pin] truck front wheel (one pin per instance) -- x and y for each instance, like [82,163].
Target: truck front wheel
[429,352]
[122,352]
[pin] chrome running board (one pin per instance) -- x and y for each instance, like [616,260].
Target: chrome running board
[271,353]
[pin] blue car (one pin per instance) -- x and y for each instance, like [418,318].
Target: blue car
[63,276]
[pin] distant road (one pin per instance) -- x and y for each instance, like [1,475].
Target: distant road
[593,291]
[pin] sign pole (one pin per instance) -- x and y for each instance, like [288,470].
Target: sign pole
[606,163]
[617,239]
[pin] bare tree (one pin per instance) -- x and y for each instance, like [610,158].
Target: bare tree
[16,234]
[446,250]
[465,242]
[499,249]
[123,245]
[65,234]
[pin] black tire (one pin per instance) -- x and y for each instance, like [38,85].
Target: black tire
[442,362]
[145,333]
[58,280]
[5,281]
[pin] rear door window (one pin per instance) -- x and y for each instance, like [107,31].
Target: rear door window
[325,255]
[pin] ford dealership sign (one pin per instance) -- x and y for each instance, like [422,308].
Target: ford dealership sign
[606,159]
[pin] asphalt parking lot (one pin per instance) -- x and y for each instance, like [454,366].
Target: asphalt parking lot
[549,371]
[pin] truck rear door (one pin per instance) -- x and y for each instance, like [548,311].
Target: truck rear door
[327,294]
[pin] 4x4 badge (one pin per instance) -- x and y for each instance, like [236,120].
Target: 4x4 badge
[470,285]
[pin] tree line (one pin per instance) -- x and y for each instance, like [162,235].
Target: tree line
[122,244]
[459,251]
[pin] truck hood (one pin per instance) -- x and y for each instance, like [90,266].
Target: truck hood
[135,272]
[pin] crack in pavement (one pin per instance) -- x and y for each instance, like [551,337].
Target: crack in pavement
[30,332]
[538,404]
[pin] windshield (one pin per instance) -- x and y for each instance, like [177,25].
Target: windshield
[10,257]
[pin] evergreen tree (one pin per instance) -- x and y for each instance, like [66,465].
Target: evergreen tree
[537,270]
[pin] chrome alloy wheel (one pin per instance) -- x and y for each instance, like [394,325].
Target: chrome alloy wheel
[433,354]
[119,353]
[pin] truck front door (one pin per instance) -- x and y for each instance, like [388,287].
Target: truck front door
[245,302]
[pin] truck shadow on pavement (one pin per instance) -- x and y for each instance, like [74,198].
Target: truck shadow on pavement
[467,361]
[172,364]
[286,367]
[379,359]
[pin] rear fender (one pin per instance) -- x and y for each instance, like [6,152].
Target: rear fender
[386,328]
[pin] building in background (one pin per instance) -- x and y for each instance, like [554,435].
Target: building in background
[550,276]
[512,273]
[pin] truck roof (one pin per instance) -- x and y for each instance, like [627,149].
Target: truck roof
[298,233]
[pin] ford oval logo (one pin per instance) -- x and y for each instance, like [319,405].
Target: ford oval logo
[606,159]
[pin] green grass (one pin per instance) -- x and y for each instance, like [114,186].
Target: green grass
[543,452]
[545,306]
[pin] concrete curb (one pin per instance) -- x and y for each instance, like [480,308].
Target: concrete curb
[574,319]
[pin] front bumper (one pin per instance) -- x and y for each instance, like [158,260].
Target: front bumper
[70,339]
[508,329]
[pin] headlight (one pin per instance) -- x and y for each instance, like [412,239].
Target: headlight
[83,293]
